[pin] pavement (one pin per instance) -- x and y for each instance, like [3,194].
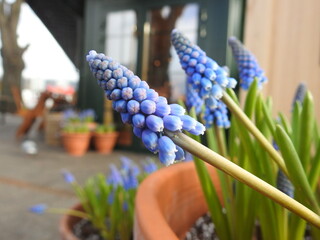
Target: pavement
[26,180]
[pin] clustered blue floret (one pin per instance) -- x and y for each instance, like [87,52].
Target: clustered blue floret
[248,66]
[193,99]
[142,107]
[217,116]
[206,78]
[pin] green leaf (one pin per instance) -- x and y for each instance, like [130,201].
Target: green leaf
[314,174]
[306,133]
[267,116]
[285,123]
[210,194]
[297,174]
[295,123]
[251,99]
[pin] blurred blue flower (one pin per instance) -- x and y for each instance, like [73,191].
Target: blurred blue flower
[149,166]
[114,178]
[38,209]
[217,116]
[248,66]
[68,176]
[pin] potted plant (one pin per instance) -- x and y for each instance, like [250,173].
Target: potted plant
[249,158]
[104,138]
[106,203]
[76,131]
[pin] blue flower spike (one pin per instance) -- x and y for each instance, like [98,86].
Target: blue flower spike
[38,209]
[206,81]
[248,66]
[139,105]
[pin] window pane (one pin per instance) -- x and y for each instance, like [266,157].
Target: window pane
[162,68]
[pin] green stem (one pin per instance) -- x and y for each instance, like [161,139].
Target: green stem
[70,212]
[244,176]
[220,140]
[236,110]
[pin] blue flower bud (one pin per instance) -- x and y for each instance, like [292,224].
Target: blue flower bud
[138,120]
[117,73]
[107,75]
[172,123]
[107,93]
[150,140]
[68,177]
[127,93]
[166,145]
[216,91]
[162,100]
[113,65]
[126,118]
[199,129]
[152,95]
[133,107]
[140,94]
[179,154]
[167,159]
[154,123]
[211,103]
[200,68]
[210,74]
[144,84]
[104,65]
[148,106]
[122,82]
[111,84]
[115,94]
[120,106]
[137,131]
[134,82]
[162,109]
[177,110]
[222,81]
[196,78]
[128,73]
[38,209]
[188,122]
[206,84]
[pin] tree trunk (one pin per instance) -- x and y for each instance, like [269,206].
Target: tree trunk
[11,52]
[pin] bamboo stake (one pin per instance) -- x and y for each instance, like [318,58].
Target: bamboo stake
[241,116]
[243,176]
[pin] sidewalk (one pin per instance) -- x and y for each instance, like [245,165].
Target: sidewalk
[26,180]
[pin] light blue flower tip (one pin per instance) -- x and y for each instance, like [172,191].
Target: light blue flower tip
[38,209]
[68,176]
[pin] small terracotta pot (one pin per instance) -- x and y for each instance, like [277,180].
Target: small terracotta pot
[105,142]
[66,224]
[169,201]
[76,144]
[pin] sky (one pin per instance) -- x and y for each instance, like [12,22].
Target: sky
[44,59]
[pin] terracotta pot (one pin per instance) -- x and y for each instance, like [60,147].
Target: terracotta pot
[66,225]
[105,142]
[169,201]
[76,144]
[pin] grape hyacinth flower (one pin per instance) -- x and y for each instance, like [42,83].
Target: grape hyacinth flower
[205,78]
[140,106]
[204,74]
[248,66]
[68,176]
[38,209]
[217,116]
[192,98]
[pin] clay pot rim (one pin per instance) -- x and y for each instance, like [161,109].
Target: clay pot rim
[66,222]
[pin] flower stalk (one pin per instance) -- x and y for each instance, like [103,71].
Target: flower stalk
[243,176]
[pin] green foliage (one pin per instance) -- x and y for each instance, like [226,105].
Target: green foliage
[299,144]
[105,128]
